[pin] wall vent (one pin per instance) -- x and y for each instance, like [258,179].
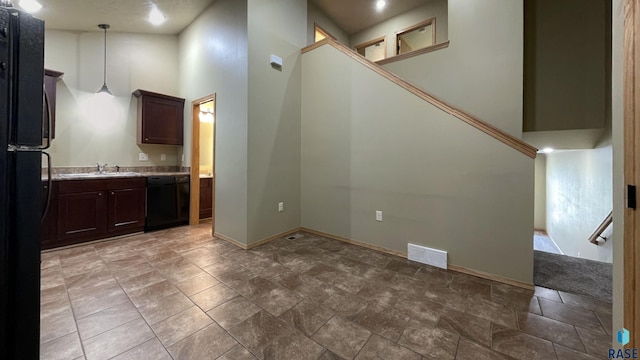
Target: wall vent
[425,255]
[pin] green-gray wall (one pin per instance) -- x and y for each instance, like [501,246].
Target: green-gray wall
[481,70]
[388,28]
[316,16]
[567,71]
[214,59]
[367,145]
[91,129]
[277,27]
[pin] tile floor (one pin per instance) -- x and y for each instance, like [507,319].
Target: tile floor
[181,294]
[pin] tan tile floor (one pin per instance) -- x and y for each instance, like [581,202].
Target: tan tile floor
[181,294]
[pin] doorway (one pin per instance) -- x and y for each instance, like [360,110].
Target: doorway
[203,135]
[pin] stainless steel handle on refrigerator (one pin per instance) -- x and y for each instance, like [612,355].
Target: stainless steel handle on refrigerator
[47,108]
[49,185]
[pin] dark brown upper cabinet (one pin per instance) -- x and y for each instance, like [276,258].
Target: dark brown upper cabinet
[50,80]
[160,118]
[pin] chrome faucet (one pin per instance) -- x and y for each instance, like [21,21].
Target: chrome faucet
[101,168]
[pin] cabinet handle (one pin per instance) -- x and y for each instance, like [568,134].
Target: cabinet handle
[146,139]
[99,194]
[112,193]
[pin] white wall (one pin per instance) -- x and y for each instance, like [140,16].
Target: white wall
[274,116]
[89,130]
[213,59]
[540,203]
[316,16]
[579,197]
[388,28]
[481,70]
[439,182]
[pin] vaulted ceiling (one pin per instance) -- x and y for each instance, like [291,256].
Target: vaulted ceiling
[130,15]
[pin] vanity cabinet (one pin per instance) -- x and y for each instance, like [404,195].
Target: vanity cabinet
[160,118]
[50,82]
[206,198]
[88,210]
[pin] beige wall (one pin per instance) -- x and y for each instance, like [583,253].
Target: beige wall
[377,147]
[566,64]
[274,116]
[579,197]
[316,16]
[481,70]
[213,59]
[206,146]
[434,8]
[89,130]
[618,161]
[540,203]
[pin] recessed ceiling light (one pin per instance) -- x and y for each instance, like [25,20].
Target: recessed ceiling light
[30,6]
[380,4]
[156,17]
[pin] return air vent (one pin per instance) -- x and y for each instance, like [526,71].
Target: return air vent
[425,255]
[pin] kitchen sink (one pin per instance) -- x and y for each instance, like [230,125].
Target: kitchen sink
[97,174]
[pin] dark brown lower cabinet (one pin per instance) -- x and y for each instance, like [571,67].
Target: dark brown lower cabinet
[206,198]
[126,210]
[82,215]
[88,210]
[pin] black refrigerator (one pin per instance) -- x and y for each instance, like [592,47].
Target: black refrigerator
[21,144]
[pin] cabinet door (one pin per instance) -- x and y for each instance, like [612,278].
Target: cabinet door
[206,198]
[49,223]
[126,210]
[50,90]
[162,121]
[82,216]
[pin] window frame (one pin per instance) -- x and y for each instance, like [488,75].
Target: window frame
[382,40]
[425,23]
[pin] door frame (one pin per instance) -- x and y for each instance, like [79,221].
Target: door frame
[194,213]
[631,232]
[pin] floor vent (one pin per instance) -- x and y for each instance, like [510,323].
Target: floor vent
[294,236]
[425,255]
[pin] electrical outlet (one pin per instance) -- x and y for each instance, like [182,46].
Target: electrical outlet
[182,157]
[143,157]
[163,157]
[280,207]
[378,215]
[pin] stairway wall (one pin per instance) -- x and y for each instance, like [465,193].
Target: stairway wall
[368,144]
[481,70]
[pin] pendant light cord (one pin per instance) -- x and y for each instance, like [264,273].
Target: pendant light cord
[105,56]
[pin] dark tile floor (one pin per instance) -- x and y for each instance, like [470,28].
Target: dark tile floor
[180,294]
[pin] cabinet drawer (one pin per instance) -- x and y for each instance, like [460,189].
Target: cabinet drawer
[82,185]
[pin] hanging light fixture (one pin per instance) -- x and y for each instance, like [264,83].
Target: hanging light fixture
[104,89]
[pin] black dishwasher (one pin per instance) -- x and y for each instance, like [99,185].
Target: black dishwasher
[167,202]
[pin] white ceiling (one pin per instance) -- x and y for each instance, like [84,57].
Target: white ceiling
[122,15]
[130,15]
[356,15]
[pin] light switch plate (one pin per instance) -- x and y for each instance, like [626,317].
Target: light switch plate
[163,157]
[143,157]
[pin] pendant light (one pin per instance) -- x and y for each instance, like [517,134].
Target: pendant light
[105,89]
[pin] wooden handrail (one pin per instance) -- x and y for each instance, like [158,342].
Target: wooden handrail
[485,127]
[411,54]
[603,226]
